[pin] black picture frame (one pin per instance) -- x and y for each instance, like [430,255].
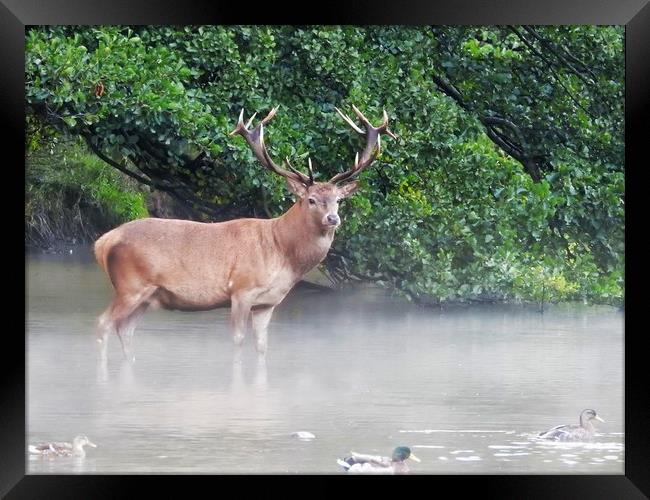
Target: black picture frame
[15,15]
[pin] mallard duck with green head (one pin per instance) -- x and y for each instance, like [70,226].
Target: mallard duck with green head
[74,449]
[376,464]
[574,432]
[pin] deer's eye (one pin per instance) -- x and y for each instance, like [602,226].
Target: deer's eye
[312,201]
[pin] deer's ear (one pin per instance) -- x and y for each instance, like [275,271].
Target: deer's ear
[348,189]
[296,187]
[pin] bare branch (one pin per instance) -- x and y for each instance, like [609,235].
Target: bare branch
[554,73]
[116,165]
[553,48]
[449,90]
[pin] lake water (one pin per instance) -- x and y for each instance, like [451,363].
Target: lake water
[467,389]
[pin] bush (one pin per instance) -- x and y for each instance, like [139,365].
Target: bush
[73,196]
[530,206]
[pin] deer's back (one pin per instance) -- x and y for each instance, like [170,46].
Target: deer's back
[198,261]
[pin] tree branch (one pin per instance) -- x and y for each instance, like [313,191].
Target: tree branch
[508,148]
[116,165]
[549,64]
[516,151]
[448,89]
[179,192]
[496,121]
[553,48]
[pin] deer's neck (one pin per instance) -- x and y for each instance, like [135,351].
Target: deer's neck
[304,242]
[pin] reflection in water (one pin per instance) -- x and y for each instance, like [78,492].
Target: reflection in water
[468,388]
[102,370]
[261,377]
[259,382]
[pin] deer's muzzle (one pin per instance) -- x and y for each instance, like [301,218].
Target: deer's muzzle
[333,219]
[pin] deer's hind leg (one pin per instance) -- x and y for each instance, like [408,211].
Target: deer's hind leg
[126,328]
[104,327]
[121,316]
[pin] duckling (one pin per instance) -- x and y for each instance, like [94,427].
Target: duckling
[375,464]
[76,448]
[574,432]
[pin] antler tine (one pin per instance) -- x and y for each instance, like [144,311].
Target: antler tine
[255,139]
[240,123]
[360,115]
[311,171]
[270,115]
[291,167]
[349,121]
[373,143]
[385,125]
[248,123]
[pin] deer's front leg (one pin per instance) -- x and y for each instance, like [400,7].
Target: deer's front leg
[239,313]
[261,319]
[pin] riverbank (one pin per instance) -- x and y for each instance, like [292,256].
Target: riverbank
[317,281]
[72,197]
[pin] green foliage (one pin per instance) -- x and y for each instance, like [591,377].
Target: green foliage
[561,93]
[542,282]
[71,195]
[443,212]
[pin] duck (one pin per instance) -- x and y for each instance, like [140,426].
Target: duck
[375,464]
[74,449]
[574,432]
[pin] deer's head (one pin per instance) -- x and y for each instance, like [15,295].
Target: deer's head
[318,200]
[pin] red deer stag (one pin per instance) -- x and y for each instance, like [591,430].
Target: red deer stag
[250,263]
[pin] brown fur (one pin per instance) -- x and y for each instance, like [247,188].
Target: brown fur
[250,264]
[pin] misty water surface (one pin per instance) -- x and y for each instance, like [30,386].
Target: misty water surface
[467,389]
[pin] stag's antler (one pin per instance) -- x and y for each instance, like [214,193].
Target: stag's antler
[373,144]
[255,139]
